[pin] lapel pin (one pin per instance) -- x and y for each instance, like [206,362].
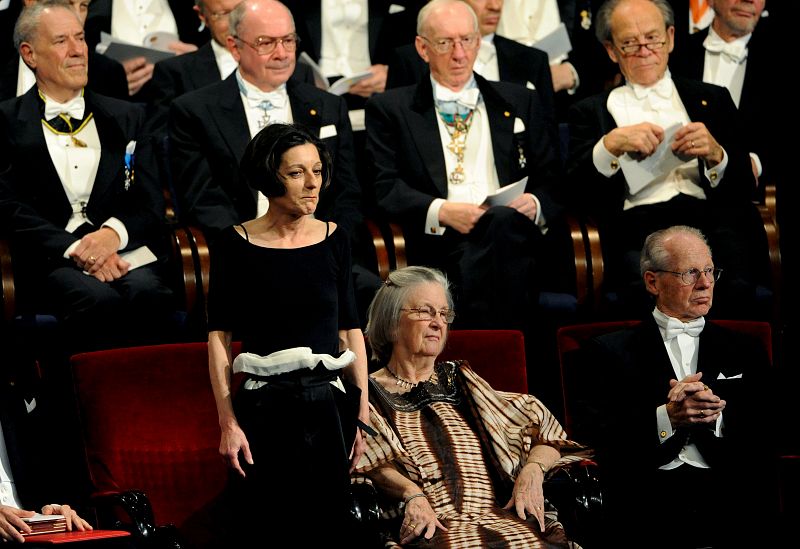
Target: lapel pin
[313,112]
[704,102]
[506,114]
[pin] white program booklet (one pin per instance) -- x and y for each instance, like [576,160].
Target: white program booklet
[339,87]
[556,44]
[504,195]
[641,172]
[122,51]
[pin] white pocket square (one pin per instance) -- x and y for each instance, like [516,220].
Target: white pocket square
[722,376]
[519,125]
[327,131]
[29,407]
[530,86]
[396,8]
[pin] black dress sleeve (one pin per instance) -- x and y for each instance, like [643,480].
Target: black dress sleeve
[221,284]
[348,313]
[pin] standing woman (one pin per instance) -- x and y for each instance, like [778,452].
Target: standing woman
[282,284]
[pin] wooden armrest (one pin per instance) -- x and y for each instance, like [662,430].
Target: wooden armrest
[588,260]
[190,252]
[389,244]
[7,281]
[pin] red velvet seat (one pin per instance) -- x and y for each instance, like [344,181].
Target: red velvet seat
[150,423]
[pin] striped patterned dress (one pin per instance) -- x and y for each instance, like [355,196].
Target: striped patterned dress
[463,443]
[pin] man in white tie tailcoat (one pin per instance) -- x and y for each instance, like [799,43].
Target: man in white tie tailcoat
[77,192]
[659,151]
[441,147]
[676,410]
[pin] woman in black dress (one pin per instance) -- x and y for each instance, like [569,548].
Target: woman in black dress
[282,284]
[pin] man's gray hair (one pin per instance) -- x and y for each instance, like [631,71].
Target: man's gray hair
[654,254]
[237,16]
[422,16]
[602,21]
[383,315]
[28,21]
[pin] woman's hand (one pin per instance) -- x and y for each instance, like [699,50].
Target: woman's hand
[359,447]
[233,440]
[527,495]
[419,517]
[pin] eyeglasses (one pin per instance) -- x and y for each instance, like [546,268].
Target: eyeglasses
[630,48]
[446,45]
[690,276]
[217,15]
[429,313]
[265,45]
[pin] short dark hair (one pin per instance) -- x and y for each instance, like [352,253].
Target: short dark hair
[263,155]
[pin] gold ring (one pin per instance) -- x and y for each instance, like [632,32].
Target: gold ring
[412,526]
[692,142]
[705,387]
[92,259]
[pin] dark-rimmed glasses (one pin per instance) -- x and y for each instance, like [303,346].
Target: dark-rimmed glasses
[429,313]
[690,276]
[265,45]
[631,48]
[446,45]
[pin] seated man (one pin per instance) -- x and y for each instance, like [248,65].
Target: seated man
[133,21]
[441,147]
[76,192]
[700,175]
[38,470]
[348,37]
[210,128]
[107,76]
[211,63]
[737,52]
[678,475]
[499,59]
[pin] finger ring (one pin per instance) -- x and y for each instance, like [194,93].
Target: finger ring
[705,387]
[92,259]
[412,526]
[692,143]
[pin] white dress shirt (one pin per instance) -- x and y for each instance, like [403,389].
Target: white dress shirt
[486,62]
[661,105]
[77,168]
[133,20]
[726,69]
[345,37]
[282,112]
[683,350]
[528,21]
[225,61]
[25,78]
[8,490]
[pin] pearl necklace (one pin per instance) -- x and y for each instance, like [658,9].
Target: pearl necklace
[401,381]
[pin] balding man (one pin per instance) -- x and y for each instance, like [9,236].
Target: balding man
[705,179]
[77,192]
[210,128]
[673,409]
[499,59]
[441,147]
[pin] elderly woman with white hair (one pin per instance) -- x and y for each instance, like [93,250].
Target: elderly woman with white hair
[460,464]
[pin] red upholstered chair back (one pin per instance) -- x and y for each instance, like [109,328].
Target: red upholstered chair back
[150,423]
[571,338]
[498,356]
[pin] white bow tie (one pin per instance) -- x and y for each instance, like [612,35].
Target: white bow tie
[347,13]
[266,100]
[75,108]
[675,327]
[467,97]
[735,51]
[662,88]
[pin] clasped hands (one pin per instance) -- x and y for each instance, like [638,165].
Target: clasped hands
[12,526]
[97,255]
[463,216]
[691,402]
[642,140]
